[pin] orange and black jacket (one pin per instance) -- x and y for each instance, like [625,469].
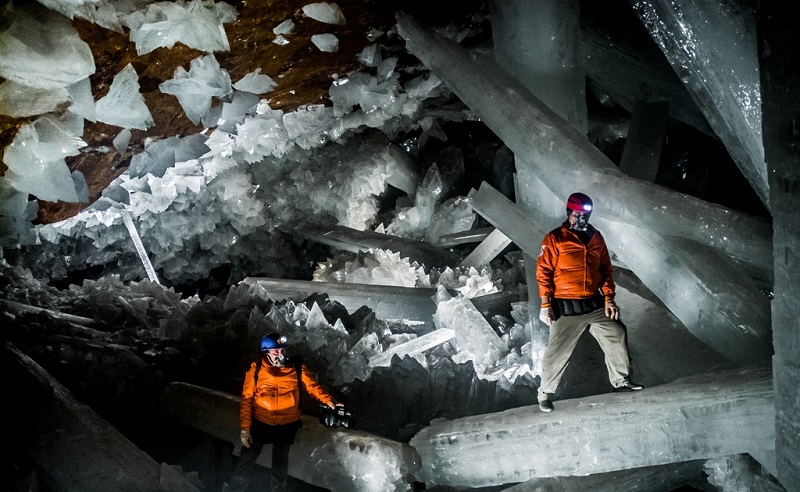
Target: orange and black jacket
[276,400]
[568,269]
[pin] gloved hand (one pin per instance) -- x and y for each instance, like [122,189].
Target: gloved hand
[546,315]
[246,437]
[612,311]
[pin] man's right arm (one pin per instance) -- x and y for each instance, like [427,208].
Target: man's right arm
[246,403]
[545,267]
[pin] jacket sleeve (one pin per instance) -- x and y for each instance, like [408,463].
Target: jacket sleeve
[607,286]
[248,393]
[315,389]
[546,265]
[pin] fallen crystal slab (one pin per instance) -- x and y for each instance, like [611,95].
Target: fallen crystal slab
[411,348]
[348,239]
[487,250]
[698,417]
[644,479]
[137,242]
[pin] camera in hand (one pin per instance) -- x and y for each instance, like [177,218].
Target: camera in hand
[335,417]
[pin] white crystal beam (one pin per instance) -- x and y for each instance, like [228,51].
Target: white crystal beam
[353,240]
[539,42]
[412,347]
[698,417]
[487,250]
[550,143]
[137,242]
[712,47]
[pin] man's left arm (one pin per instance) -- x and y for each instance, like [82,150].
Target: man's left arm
[316,391]
[607,286]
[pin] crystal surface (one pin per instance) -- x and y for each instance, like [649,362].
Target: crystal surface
[487,250]
[538,42]
[122,140]
[285,27]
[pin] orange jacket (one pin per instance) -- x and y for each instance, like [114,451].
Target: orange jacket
[276,401]
[567,269]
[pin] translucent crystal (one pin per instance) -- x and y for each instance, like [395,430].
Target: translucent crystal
[20,101]
[327,12]
[124,106]
[41,49]
[195,88]
[198,25]
[327,42]
[82,99]
[256,83]
[285,27]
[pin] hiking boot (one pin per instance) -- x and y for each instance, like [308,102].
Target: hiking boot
[546,406]
[628,386]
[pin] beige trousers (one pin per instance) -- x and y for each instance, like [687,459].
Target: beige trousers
[564,335]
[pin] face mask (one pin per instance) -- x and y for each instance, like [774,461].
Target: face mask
[579,222]
[276,360]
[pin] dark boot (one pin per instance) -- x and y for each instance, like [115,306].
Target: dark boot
[276,485]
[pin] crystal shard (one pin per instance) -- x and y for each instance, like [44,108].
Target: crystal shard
[124,106]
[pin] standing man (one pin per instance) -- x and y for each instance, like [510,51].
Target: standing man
[576,286]
[270,412]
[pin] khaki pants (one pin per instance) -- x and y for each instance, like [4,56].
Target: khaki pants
[564,335]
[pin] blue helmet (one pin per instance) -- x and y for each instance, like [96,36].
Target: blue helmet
[273,341]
